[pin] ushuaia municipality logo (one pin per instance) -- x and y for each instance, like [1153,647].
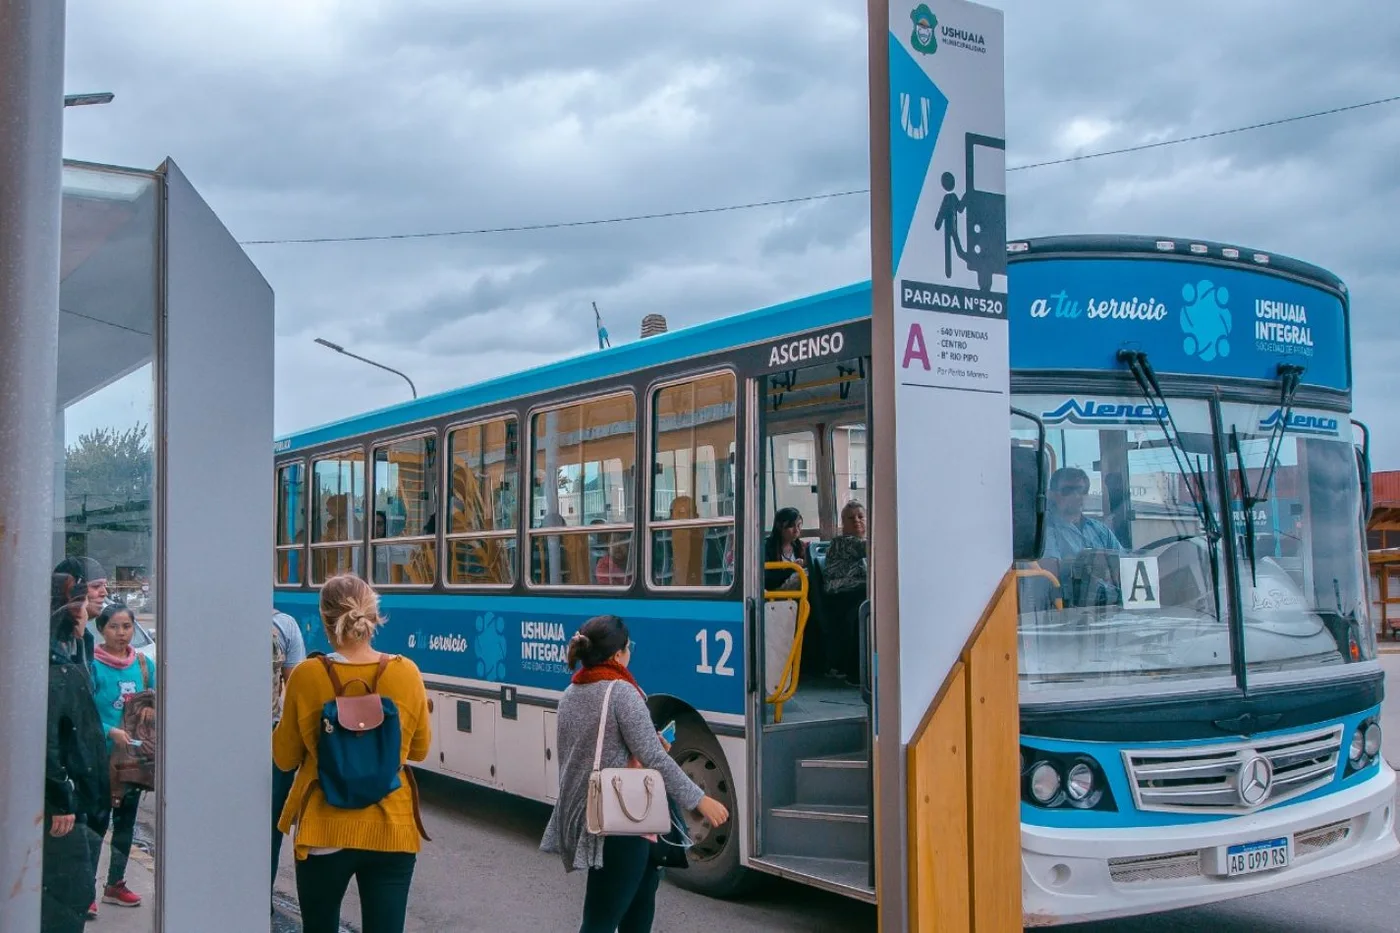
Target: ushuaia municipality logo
[923,37]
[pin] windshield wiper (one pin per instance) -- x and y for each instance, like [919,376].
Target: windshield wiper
[1141,369]
[1248,502]
[1290,375]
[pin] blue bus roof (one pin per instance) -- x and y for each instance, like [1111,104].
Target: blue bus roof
[849,303]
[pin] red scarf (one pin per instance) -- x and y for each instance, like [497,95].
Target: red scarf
[608,670]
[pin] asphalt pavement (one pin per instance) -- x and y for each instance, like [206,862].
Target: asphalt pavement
[483,872]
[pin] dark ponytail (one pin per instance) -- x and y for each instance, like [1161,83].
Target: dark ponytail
[597,641]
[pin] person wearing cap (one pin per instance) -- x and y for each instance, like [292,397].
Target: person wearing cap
[86,570]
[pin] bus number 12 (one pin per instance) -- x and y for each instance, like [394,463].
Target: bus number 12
[727,648]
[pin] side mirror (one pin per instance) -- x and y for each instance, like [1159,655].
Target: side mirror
[1363,466]
[1029,475]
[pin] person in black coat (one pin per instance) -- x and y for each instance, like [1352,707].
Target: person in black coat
[75,767]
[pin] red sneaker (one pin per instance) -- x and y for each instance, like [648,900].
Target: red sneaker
[121,895]
[92,911]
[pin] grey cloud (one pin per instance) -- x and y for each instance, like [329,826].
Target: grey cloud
[436,115]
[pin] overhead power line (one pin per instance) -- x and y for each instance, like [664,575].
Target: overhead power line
[826,196]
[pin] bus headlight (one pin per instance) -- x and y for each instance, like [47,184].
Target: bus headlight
[1045,782]
[1372,739]
[1056,780]
[1080,783]
[1365,745]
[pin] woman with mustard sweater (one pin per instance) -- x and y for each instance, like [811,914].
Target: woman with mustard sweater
[378,845]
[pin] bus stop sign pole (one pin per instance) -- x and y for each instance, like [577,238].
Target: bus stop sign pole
[946,757]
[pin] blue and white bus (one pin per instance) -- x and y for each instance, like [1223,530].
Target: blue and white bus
[1199,689]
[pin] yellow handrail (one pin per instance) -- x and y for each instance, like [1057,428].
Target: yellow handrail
[787,685]
[1038,571]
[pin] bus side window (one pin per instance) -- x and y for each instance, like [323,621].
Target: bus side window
[482,463]
[337,515]
[691,520]
[291,524]
[583,493]
[404,533]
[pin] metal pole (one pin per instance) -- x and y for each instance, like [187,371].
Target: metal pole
[355,356]
[891,853]
[31,166]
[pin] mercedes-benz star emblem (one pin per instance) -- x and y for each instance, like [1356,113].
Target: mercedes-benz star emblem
[1256,779]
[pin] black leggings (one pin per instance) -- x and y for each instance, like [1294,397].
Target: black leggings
[122,818]
[621,896]
[383,879]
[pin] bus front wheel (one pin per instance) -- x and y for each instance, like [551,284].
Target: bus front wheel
[714,868]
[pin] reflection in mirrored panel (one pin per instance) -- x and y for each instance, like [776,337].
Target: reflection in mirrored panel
[104,624]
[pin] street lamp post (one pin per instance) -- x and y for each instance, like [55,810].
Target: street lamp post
[355,356]
[86,100]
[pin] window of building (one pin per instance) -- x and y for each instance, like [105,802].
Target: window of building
[483,463]
[404,533]
[799,463]
[337,515]
[780,491]
[848,459]
[583,492]
[291,523]
[692,509]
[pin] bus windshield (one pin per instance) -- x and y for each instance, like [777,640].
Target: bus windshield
[1304,592]
[1129,587]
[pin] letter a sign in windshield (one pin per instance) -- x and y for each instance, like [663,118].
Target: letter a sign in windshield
[1141,583]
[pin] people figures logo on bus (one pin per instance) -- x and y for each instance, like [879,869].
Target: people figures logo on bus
[1206,320]
[947,221]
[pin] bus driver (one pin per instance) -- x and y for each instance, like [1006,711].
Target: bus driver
[1069,532]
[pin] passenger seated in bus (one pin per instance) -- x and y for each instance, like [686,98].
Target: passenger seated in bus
[1069,532]
[846,570]
[784,544]
[611,569]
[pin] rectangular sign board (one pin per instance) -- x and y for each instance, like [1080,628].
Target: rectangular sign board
[947,176]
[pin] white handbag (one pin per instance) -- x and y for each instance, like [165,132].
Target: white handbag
[624,801]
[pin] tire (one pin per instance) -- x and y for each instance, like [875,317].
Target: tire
[714,859]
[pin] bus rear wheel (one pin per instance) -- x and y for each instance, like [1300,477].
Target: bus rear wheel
[714,868]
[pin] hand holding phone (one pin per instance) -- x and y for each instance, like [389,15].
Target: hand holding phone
[668,734]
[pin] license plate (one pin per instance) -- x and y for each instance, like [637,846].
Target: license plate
[1250,857]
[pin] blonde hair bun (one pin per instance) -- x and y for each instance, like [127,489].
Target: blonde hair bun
[349,610]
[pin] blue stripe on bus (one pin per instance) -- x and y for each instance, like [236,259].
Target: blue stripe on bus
[833,307]
[691,649]
[1110,760]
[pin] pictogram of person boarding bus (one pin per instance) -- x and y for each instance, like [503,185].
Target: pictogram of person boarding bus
[983,210]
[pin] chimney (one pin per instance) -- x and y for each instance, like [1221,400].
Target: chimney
[652,325]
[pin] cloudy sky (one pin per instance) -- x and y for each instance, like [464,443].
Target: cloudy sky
[362,117]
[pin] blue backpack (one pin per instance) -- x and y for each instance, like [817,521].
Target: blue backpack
[358,754]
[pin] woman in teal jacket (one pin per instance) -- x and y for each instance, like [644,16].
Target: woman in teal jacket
[118,672]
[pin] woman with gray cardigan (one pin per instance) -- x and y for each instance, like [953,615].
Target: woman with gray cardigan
[622,879]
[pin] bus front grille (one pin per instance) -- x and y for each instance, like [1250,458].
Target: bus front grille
[1206,778]
[1322,837]
[1175,866]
